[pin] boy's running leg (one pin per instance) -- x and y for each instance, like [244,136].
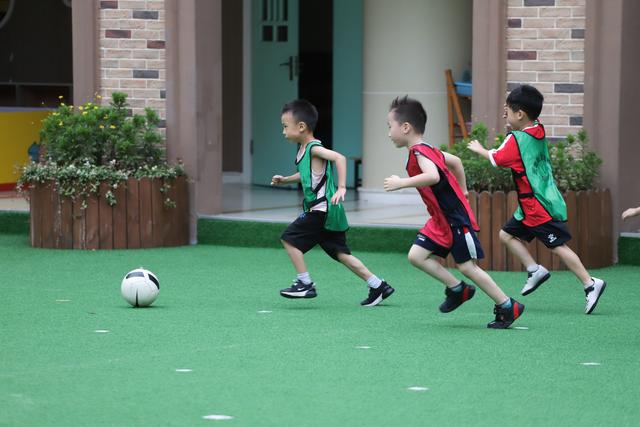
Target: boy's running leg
[378,288]
[302,287]
[536,274]
[593,287]
[507,310]
[456,292]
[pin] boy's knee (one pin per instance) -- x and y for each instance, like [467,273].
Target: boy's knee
[414,258]
[466,268]
[504,236]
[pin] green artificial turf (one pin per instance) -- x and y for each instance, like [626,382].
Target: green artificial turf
[300,364]
[629,250]
[267,235]
[14,222]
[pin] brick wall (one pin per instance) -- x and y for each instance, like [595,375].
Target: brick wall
[545,48]
[132,52]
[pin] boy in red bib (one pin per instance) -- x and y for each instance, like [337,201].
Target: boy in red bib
[439,178]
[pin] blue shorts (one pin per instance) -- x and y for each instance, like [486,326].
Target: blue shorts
[465,246]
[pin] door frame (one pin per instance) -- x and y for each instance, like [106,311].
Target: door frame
[244,177]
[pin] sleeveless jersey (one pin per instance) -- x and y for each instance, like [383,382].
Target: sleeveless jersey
[537,168]
[445,201]
[336,219]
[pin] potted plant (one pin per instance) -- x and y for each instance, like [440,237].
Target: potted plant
[102,181]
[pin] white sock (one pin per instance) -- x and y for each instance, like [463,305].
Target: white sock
[304,277]
[533,268]
[374,282]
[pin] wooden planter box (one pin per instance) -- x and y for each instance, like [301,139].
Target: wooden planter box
[139,219]
[589,220]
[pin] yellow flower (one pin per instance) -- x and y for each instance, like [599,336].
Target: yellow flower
[101,126]
[60,97]
[56,114]
[60,123]
[112,127]
[99,97]
[80,108]
[84,113]
[95,108]
[62,104]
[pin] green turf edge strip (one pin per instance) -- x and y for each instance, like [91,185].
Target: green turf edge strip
[267,235]
[14,222]
[629,250]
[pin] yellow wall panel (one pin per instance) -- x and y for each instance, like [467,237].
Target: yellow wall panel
[18,130]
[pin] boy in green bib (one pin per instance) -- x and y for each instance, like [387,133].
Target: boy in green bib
[542,212]
[323,220]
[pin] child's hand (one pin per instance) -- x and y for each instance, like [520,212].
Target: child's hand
[392,183]
[338,196]
[276,179]
[630,212]
[475,146]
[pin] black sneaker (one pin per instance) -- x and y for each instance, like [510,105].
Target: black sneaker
[299,290]
[454,300]
[376,295]
[506,316]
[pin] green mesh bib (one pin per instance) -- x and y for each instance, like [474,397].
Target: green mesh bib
[537,166]
[336,218]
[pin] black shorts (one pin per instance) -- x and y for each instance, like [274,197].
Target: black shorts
[465,246]
[551,233]
[308,230]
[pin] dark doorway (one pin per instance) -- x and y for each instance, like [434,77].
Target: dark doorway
[315,82]
[36,63]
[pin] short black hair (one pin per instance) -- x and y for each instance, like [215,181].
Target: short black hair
[302,111]
[526,98]
[411,111]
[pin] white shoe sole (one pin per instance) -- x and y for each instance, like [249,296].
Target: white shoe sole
[375,302]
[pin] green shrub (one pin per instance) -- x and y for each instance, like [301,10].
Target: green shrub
[84,146]
[574,167]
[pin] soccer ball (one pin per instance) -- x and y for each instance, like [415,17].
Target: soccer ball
[140,287]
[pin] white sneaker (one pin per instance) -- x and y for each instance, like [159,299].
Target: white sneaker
[593,293]
[535,279]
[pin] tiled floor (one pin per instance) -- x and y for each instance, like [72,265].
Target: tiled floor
[247,202]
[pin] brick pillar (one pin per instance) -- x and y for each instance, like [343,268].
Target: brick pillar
[545,48]
[131,36]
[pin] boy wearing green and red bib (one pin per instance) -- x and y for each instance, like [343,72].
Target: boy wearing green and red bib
[542,212]
[323,220]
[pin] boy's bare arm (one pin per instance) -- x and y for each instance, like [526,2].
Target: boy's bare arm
[428,177]
[456,167]
[630,213]
[478,148]
[279,179]
[341,169]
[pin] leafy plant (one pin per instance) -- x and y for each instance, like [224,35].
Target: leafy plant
[574,167]
[90,144]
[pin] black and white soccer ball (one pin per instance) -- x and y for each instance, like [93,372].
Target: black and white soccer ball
[140,287]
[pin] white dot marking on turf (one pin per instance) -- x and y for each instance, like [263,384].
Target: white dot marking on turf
[363,347]
[265,311]
[218,417]
[418,388]
[184,370]
[63,300]
[102,331]
[522,328]
[590,364]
